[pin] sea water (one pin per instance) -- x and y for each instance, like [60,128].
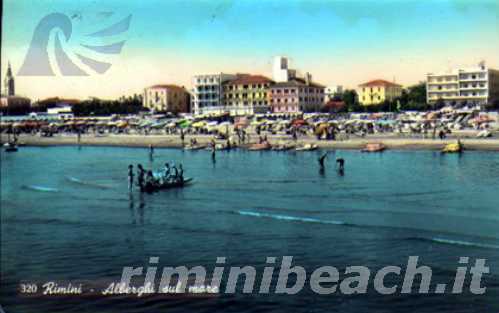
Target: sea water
[67,215]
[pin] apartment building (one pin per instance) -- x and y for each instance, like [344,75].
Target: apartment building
[474,86]
[166,98]
[246,94]
[208,94]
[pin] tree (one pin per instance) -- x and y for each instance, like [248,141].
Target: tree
[494,105]
[95,106]
[351,100]
[414,98]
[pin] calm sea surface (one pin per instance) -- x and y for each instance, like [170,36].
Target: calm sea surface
[66,215]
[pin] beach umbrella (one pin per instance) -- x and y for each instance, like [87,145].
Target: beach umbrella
[122,124]
[184,124]
[158,124]
[298,122]
[199,124]
[319,130]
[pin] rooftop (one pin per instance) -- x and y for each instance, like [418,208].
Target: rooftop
[249,79]
[379,82]
[166,86]
[298,82]
[456,71]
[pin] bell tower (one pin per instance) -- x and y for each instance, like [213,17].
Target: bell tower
[9,83]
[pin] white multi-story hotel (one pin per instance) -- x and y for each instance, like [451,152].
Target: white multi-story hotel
[207,93]
[476,86]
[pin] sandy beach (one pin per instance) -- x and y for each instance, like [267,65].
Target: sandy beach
[170,141]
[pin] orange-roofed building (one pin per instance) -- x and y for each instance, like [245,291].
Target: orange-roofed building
[166,98]
[377,91]
[246,94]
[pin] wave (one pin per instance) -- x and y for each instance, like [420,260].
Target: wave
[283,181]
[456,242]
[438,240]
[291,218]
[85,183]
[41,188]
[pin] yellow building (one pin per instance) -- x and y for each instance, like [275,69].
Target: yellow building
[376,91]
[247,94]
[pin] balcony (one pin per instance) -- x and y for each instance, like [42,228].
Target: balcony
[452,82]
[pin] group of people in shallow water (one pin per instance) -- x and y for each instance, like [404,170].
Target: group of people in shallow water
[339,161]
[147,180]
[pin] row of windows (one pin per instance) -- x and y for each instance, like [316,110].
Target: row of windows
[293,90]
[207,96]
[372,98]
[442,79]
[244,95]
[207,80]
[157,94]
[300,99]
[473,85]
[286,109]
[253,86]
[447,94]
[452,78]
[474,93]
[245,103]
[371,89]
[472,76]
[207,88]
[464,85]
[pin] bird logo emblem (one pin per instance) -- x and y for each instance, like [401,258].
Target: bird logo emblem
[88,56]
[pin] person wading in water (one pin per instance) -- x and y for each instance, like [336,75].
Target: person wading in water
[322,159]
[140,176]
[130,177]
[341,163]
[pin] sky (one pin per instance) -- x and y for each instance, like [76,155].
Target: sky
[339,42]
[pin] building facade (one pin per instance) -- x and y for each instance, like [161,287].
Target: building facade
[475,86]
[296,95]
[207,93]
[246,94]
[377,91]
[166,98]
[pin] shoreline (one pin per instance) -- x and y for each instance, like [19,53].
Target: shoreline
[171,141]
